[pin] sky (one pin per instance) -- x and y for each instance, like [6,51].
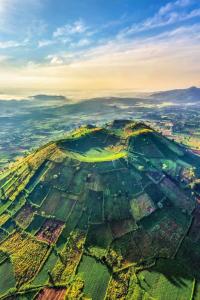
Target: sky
[98,45]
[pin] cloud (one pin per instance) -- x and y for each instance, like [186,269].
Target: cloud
[73,35]
[168,14]
[62,58]
[45,43]
[81,43]
[166,60]
[12,44]
[77,27]
[18,15]
[4,58]
[55,59]
[36,28]
[174,5]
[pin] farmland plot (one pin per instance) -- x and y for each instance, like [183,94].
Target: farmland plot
[168,280]
[27,255]
[25,215]
[7,277]
[69,258]
[95,276]
[36,223]
[50,231]
[52,294]
[43,276]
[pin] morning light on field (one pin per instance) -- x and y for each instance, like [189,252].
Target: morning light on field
[99,150]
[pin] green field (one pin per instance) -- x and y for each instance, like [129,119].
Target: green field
[42,277]
[7,278]
[36,223]
[97,155]
[95,276]
[168,280]
[98,239]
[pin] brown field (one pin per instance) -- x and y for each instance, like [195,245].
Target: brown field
[142,206]
[25,215]
[50,231]
[120,228]
[52,294]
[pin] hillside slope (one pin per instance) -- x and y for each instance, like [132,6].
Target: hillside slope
[186,95]
[106,213]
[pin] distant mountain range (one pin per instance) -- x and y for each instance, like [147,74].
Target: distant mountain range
[190,94]
[43,97]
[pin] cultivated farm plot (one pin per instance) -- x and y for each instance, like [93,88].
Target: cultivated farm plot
[9,225]
[143,144]
[50,203]
[27,255]
[69,258]
[39,193]
[58,204]
[24,215]
[131,248]
[194,231]
[95,276]
[42,277]
[77,184]
[26,296]
[166,227]
[36,224]
[196,295]
[118,286]
[142,206]
[17,204]
[38,175]
[3,234]
[74,217]
[116,207]
[50,231]
[64,208]
[52,294]
[168,280]
[4,205]
[119,228]
[96,203]
[98,239]
[7,277]
[176,195]
[3,218]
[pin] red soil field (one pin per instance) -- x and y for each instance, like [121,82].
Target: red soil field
[52,294]
[50,231]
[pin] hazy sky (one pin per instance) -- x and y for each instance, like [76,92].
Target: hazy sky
[54,46]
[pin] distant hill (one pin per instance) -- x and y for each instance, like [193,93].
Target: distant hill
[44,97]
[190,94]
[105,213]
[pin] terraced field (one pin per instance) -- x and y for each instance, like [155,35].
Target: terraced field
[106,213]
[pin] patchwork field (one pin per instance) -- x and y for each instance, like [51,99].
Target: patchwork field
[103,214]
[26,253]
